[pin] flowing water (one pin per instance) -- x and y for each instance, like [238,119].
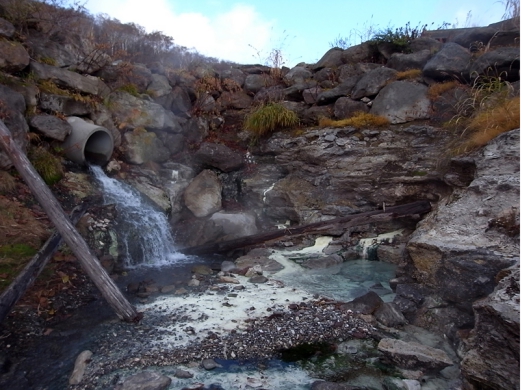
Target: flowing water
[143,229]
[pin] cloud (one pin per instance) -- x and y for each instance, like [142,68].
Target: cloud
[230,34]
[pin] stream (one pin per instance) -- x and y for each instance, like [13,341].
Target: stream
[150,254]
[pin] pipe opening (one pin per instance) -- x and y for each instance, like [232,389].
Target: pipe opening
[98,148]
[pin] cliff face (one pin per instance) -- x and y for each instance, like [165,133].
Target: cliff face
[177,131]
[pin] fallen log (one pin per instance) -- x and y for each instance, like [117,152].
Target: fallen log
[70,235]
[28,275]
[419,207]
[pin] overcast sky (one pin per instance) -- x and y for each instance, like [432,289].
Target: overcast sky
[247,31]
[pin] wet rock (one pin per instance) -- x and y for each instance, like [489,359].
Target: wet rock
[203,194]
[366,304]
[183,374]
[145,380]
[258,279]
[412,355]
[401,384]
[323,262]
[202,270]
[79,367]
[389,315]
[209,364]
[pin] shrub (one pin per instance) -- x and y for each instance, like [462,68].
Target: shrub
[47,165]
[130,89]
[408,74]
[435,90]
[399,37]
[359,120]
[269,117]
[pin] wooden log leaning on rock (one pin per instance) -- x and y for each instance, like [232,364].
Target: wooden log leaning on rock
[28,275]
[419,207]
[70,235]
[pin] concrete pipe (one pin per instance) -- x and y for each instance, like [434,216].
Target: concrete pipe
[88,143]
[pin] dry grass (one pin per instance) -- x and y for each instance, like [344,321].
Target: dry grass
[491,122]
[19,226]
[435,90]
[359,120]
[269,117]
[47,165]
[408,74]
[7,182]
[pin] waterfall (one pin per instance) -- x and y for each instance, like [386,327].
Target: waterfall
[143,230]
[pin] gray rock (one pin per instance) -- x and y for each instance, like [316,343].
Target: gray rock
[298,74]
[363,52]
[51,126]
[13,111]
[502,62]
[372,82]
[13,56]
[68,79]
[141,147]
[365,304]
[219,156]
[416,60]
[209,364]
[7,29]
[255,82]
[63,104]
[203,195]
[183,374]
[145,380]
[450,62]
[159,86]
[389,315]
[413,356]
[346,107]
[343,89]
[323,262]
[79,367]
[235,100]
[333,58]
[195,129]
[402,101]
[234,224]
[490,353]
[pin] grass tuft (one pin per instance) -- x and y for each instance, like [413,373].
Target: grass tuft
[408,74]
[359,120]
[269,117]
[7,182]
[437,89]
[47,165]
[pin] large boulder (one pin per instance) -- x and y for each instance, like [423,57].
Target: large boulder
[402,101]
[51,126]
[141,146]
[234,224]
[203,195]
[450,62]
[332,59]
[133,112]
[416,60]
[66,105]
[491,353]
[13,111]
[372,82]
[219,156]
[502,62]
[13,56]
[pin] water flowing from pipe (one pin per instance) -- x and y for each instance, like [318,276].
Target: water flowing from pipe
[143,230]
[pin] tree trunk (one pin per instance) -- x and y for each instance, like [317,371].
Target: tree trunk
[28,275]
[70,235]
[420,207]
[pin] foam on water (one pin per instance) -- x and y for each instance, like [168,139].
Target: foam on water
[144,231]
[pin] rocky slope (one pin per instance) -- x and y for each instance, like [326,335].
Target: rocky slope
[178,138]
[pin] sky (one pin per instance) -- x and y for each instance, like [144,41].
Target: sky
[249,31]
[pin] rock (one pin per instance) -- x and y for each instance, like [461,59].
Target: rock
[390,383]
[234,225]
[412,355]
[402,101]
[64,104]
[333,58]
[323,262]
[363,52]
[142,146]
[7,29]
[228,279]
[365,304]
[238,100]
[145,380]
[324,385]
[372,82]
[209,364]
[51,126]
[183,374]
[135,113]
[416,60]
[195,130]
[450,62]
[252,259]
[219,156]
[66,78]
[255,82]
[343,89]
[79,367]
[203,195]
[490,353]
[389,315]
[202,270]
[159,86]
[346,107]
[13,110]
[502,62]
[298,74]
[13,56]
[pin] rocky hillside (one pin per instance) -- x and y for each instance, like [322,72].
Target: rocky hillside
[371,133]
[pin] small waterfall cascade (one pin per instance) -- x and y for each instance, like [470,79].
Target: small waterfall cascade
[143,230]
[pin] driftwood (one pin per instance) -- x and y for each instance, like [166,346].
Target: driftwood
[28,275]
[420,207]
[70,235]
